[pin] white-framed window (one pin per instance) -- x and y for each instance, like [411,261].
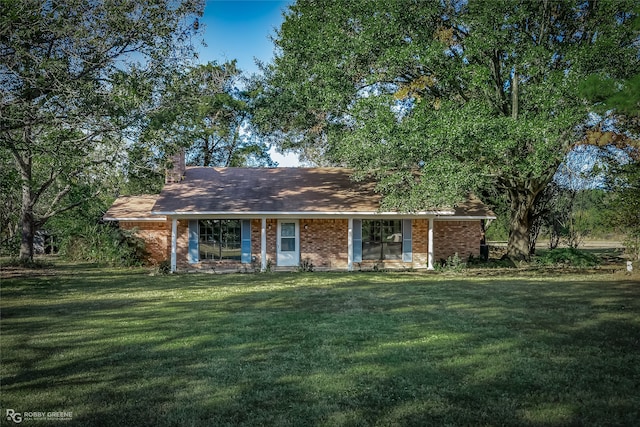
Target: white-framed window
[381,239]
[220,239]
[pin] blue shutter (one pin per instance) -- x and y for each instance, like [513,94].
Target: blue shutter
[407,252]
[357,240]
[245,258]
[194,256]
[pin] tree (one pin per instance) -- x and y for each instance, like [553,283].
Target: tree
[202,110]
[436,99]
[10,206]
[624,204]
[618,100]
[73,75]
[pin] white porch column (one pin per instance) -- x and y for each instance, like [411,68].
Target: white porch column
[174,244]
[430,253]
[263,245]
[350,246]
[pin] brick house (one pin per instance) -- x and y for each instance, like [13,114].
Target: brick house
[233,218]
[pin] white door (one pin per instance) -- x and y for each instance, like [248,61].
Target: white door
[288,243]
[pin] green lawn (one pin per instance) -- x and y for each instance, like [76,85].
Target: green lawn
[121,347]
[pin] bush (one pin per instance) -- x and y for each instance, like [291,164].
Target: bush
[10,246]
[104,244]
[306,265]
[567,257]
[164,267]
[453,263]
[632,245]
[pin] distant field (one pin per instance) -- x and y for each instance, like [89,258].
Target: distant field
[122,347]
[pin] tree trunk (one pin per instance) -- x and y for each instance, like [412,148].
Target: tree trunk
[518,244]
[522,203]
[27,219]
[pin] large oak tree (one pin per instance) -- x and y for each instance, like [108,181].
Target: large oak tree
[73,76]
[439,98]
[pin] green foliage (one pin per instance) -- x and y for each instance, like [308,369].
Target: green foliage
[10,244]
[105,245]
[75,79]
[632,244]
[10,205]
[624,204]
[620,99]
[164,267]
[621,95]
[567,257]
[269,266]
[143,171]
[498,230]
[306,266]
[453,264]
[436,99]
[568,216]
[202,110]
[80,235]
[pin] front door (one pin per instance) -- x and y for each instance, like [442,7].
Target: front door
[288,243]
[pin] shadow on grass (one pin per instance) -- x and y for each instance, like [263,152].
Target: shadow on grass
[323,349]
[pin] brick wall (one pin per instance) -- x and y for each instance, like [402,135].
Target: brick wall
[462,237]
[157,239]
[182,243]
[420,242]
[256,236]
[156,236]
[324,242]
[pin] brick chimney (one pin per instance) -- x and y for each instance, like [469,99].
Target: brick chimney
[176,168]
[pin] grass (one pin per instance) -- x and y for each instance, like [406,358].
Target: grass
[120,347]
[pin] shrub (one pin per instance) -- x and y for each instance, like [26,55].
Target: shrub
[306,265]
[453,263]
[164,267]
[104,244]
[10,245]
[632,244]
[568,257]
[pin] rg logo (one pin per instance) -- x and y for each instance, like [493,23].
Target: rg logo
[14,416]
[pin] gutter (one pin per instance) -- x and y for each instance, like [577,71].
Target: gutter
[303,214]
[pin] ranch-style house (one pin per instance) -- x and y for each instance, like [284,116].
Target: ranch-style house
[278,218]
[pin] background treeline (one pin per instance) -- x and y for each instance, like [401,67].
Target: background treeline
[567,218]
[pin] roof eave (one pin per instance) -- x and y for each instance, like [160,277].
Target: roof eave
[306,214]
[135,219]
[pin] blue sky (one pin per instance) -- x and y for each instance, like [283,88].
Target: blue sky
[242,30]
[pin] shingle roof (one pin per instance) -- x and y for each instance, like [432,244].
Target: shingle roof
[278,190]
[473,207]
[267,190]
[133,208]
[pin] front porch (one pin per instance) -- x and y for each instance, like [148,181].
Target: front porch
[285,242]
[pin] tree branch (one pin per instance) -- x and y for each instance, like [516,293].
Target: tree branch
[42,220]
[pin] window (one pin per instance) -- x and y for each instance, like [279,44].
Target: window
[220,239]
[381,239]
